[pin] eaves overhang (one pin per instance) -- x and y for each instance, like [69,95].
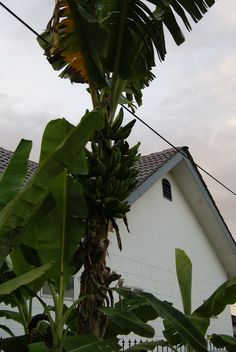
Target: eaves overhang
[151,180]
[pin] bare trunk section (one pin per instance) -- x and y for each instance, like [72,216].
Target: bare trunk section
[95,280]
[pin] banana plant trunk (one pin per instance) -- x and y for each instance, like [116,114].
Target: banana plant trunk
[110,180]
[95,280]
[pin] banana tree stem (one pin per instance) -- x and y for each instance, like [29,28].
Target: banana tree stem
[23,317]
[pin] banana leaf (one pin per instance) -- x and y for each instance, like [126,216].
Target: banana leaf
[216,303]
[223,341]
[55,235]
[118,37]
[88,343]
[38,347]
[9,286]
[11,180]
[19,210]
[182,325]
[7,330]
[128,321]
[147,346]
[12,344]
[9,314]
[184,275]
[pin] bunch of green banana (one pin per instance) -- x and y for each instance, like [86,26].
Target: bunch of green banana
[112,170]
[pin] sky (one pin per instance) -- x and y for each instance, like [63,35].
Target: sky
[192,102]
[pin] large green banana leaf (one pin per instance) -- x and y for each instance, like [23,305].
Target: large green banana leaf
[148,346]
[113,36]
[11,180]
[7,330]
[88,343]
[55,132]
[19,210]
[225,294]
[127,321]
[83,343]
[184,275]
[8,287]
[182,324]
[18,343]
[224,341]
[55,235]
[9,314]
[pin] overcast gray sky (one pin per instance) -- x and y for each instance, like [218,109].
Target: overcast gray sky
[192,101]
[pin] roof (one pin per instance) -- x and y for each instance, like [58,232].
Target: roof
[5,156]
[148,164]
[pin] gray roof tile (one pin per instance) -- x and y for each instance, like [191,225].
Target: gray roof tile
[147,165]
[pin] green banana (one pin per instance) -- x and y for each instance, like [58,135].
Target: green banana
[134,150]
[126,130]
[118,121]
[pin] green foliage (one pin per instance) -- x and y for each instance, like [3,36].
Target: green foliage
[110,45]
[87,343]
[7,330]
[213,306]
[184,327]
[11,180]
[51,194]
[18,343]
[127,321]
[9,286]
[115,41]
[224,341]
[216,303]
[184,275]
[9,314]
[20,209]
[38,347]
[150,346]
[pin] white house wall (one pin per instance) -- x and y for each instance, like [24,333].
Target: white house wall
[157,227]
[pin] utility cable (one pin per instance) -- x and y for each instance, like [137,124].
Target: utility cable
[23,22]
[178,150]
[131,112]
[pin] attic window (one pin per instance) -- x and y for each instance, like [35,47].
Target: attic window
[166,189]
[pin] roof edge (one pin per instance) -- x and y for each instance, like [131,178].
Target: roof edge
[151,180]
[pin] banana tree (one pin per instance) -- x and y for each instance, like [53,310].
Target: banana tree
[110,46]
[46,245]
[41,224]
[224,295]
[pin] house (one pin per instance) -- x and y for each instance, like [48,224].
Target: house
[171,208]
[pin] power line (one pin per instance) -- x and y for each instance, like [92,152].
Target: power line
[131,112]
[23,22]
[178,150]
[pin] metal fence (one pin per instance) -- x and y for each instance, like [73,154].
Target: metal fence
[129,343]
